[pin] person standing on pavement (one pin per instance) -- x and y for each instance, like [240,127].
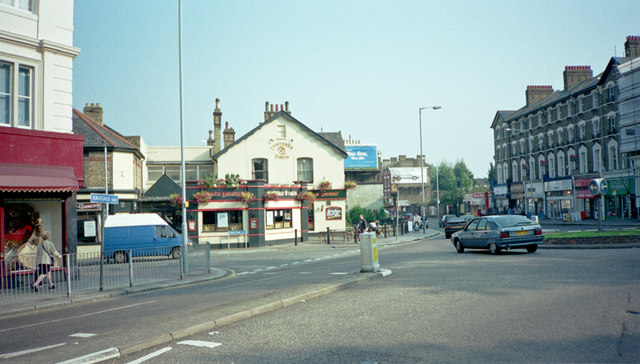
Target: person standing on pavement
[45,255]
[362,226]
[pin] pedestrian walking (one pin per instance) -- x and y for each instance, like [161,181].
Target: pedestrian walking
[45,256]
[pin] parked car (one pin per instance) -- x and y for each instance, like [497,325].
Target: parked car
[497,233]
[145,234]
[444,219]
[452,225]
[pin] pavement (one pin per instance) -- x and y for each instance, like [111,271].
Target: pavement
[34,303]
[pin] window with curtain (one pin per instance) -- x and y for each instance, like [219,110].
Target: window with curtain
[16,95]
[259,169]
[305,170]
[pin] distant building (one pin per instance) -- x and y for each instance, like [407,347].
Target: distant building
[364,167]
[405,175]
[40,158]
[548,151]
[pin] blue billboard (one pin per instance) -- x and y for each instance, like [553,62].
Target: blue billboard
[361,157]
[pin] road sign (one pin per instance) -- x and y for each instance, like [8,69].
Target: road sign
[598,186]
[102,198]
[236,232]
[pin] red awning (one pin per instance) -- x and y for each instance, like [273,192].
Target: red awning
[32,178]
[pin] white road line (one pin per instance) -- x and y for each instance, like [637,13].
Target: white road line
[284,265]
[304,272]
[198,343]
[308,260]
[295,263]
[242,274]
[96,357]
[339,273]
[82,334]
[150,356]
[29,351]
[75,317]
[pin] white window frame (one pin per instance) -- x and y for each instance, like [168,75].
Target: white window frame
[304,172]
[562,170]
[570,133]
[532,168]
[613,159]
[597,157]
[560,138]
[595,126]
[15,97]
[514,171]
[551,163]
[582,159]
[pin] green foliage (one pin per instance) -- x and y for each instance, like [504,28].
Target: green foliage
[353,215]
[592,234]
[454,181]
[491,173]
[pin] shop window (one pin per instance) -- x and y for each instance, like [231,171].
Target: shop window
[305,170]
[260,169]
[221,220]
[278,219]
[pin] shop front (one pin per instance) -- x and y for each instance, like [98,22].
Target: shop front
[586,203]
[501,196]
[36,194]
[477,204]
[559,196]
[248,214]
[620,200]
[516,203]
[535,199]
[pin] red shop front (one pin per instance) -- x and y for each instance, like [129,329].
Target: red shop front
[40,173]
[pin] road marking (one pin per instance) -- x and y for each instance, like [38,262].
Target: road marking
[29,351]
[79,316]
[150,356]
[96,357]
[198,343]
[304,272]
[284,265]
[339,273]
[82,334]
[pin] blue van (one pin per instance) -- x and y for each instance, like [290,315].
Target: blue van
[144,234]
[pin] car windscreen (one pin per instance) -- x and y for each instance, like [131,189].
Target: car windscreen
[513,220]
[456,221]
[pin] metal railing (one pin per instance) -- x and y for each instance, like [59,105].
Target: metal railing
[82,273]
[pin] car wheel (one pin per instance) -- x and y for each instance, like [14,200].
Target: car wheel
[175,253]
[493,248]
[459,247]
[120,257]
[532,248]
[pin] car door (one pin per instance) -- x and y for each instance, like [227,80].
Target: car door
[482,234]
[468,234]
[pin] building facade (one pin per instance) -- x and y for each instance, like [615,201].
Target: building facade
[547,152]
[40,159]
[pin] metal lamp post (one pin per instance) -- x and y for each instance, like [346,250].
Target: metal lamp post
[422,159]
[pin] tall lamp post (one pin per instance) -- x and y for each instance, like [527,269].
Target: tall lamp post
[422,159]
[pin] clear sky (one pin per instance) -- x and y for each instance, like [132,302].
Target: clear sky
[360,67]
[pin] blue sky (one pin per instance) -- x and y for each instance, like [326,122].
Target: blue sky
[360,67]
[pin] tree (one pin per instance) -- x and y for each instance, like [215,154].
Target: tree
[454,182]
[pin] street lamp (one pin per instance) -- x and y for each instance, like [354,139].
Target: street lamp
[396,179]
[422,158]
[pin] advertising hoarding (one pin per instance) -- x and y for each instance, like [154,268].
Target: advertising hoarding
[361,157]
[406,175]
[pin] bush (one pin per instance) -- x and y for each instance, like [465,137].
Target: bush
[353,215]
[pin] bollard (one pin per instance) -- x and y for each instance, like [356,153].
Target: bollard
[295,237]
[208,257]
[130,269]
[328,237]
[68,276]
[368,253]
[385,230]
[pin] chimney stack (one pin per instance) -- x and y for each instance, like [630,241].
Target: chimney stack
[575,74]
[537,93]
[270,109]
[210,141]
[229,135]
[217,126]
[94,112]
[632,46]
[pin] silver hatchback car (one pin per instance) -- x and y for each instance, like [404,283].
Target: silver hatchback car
[497,233]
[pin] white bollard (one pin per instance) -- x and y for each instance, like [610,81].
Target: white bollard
[369,253]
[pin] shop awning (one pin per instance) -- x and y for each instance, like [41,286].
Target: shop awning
[32,178]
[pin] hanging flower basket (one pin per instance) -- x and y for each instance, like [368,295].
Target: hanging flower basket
[349,185]
[175,200]
[325,185]
[202,196]
[247,197]
[271,196]
[309,196]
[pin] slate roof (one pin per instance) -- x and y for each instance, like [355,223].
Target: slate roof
[99,136]
[163,187]
[334,138]
[339,150]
